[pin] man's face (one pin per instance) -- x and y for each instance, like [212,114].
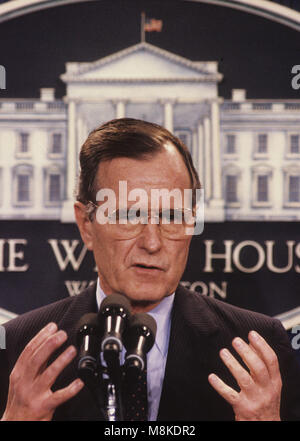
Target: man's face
[149,266]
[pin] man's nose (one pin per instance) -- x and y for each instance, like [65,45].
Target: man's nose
[150,238]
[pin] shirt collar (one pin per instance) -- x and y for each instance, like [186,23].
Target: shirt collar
[161,313]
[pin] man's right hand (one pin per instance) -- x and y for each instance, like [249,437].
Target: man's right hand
[30,396]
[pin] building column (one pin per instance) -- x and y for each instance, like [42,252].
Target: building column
[71,157]
[200,159]
[120,109]
[216,151]
[67,214]
[194,148]
[216,202]
[207,159]
[168,115]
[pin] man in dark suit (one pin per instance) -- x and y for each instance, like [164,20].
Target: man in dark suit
[192,372]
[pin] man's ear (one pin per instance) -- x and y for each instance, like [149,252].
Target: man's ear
[84,224]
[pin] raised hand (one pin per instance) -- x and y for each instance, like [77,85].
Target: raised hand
[30,396]
[260,388]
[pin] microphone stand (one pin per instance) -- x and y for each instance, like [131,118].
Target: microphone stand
[106,392]
[111,407]
[113,393]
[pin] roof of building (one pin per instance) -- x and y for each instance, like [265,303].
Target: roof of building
[142,62]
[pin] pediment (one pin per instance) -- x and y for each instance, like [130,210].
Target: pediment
[142,62]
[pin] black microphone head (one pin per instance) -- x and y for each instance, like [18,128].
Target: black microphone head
[115,301]
[139,337]
[113,316]
[144,319]
[88,323]
[88,343]
[141,324]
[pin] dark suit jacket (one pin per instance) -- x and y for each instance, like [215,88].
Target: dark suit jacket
[200,327]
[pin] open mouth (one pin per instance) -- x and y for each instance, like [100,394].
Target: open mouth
[147,267]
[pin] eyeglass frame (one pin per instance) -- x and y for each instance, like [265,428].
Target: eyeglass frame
[150,215]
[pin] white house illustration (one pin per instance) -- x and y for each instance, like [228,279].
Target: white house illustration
[247,152]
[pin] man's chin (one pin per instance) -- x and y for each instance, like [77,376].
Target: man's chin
[143,301]
[143,305]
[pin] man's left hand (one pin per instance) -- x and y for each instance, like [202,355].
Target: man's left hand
[260,389]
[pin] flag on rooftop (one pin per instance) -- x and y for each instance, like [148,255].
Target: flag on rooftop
[149,25]
[153,25]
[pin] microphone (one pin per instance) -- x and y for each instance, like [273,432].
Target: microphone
[89,347]
[113,317]
[138,340]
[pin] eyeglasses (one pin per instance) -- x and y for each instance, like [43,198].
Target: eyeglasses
[129,223]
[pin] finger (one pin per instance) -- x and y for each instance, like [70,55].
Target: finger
[266,353]
[51,373]
[37,340]
[44,351]
[242,377]
[256,365]
[65,394]
[229,394]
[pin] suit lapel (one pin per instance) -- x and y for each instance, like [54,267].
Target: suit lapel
[186,393]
